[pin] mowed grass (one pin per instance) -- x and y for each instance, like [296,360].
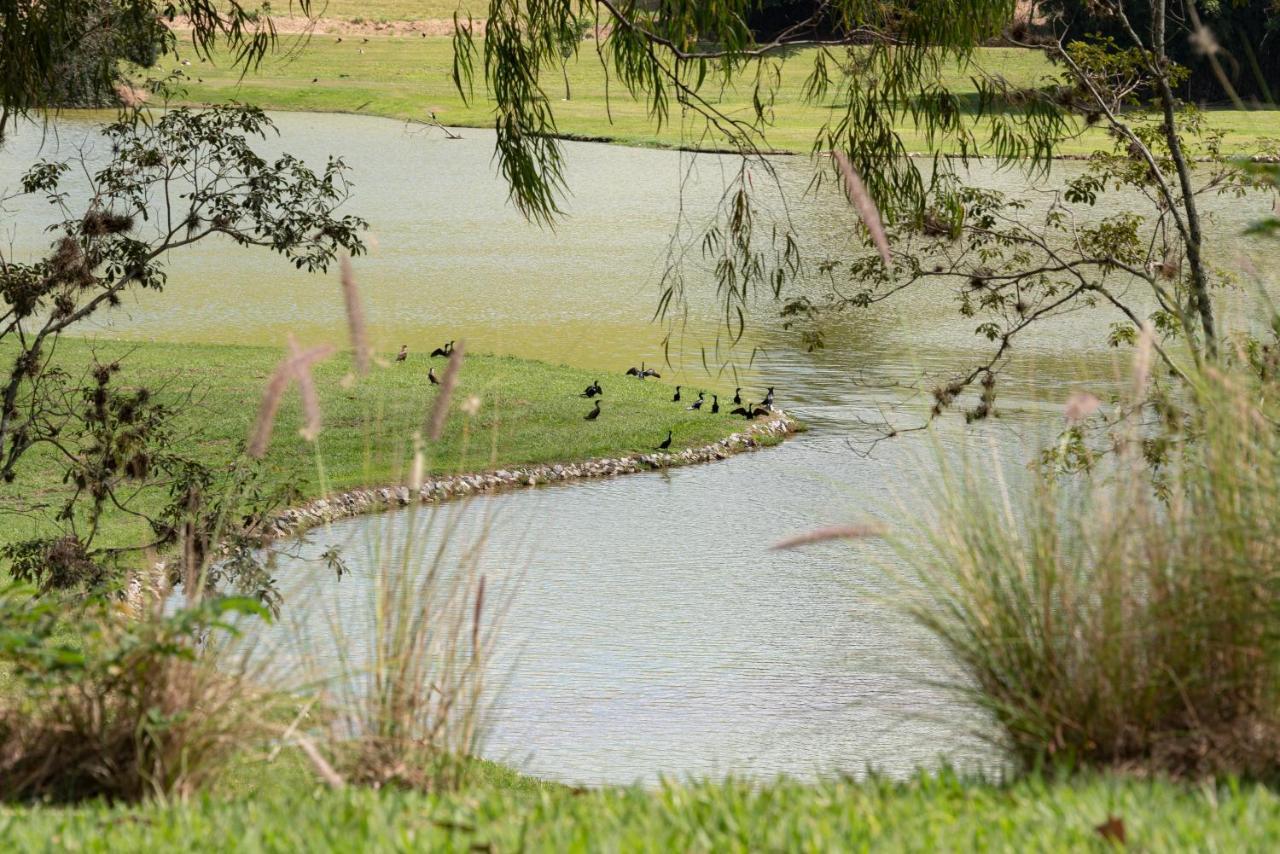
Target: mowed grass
[408,77]
[926,813]
[528,412]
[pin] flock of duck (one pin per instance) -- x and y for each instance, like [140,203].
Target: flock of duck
[746,409]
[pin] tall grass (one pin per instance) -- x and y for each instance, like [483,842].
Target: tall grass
[105,703]
[1106,623]
[410,701]
[409,714]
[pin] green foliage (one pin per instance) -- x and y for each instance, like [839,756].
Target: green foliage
[134,707]
[882,68]
[1240,38]
[69,52]
[190,176]
[55,563]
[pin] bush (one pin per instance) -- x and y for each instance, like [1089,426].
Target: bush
[1116,624]
[103,702]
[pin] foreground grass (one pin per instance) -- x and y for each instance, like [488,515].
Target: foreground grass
[925,813]
[529,413]
[407,77]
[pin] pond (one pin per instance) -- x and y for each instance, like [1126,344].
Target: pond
[651,630]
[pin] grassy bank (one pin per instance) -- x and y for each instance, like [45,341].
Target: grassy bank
[407,76]
[926,813]
[529,412]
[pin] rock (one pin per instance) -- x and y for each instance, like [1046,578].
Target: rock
[440,489]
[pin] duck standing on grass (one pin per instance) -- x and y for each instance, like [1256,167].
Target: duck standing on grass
[665,443]
[675,398]
[431,375]
[697,404]
[593,414]
[715,404]
[737,395]
[403,354]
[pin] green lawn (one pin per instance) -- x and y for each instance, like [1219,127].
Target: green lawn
[407,77]
[927,813]
[530,412]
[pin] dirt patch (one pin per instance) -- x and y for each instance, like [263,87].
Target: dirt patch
[287,25]
[426,28]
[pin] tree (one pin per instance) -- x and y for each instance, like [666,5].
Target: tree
[1244,32]
[182,178]
[68,52]
[878,69]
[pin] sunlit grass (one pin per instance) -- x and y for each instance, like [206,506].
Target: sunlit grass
[529,413]
[922,814]
[407,77]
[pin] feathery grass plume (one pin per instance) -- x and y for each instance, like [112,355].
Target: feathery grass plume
[1079,406]
[331,777]
[856,531]
[286,372]
[1142,362]
[440,409]
[418,470]
[131,96]
[260,437]
[310,429]
[864,205]
[355,317]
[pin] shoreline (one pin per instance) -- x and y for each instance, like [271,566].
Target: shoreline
[437,490]
[661,145]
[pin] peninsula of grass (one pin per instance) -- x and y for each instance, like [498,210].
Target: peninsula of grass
[924,813]
[526,413]
[408,77]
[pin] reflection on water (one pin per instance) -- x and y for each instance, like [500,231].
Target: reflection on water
[653,632]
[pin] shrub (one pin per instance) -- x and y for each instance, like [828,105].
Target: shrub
[104,702]
[1115,624]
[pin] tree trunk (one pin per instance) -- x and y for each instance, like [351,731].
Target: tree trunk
[1194,238]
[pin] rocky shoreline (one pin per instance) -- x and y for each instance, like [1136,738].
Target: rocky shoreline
[357,502]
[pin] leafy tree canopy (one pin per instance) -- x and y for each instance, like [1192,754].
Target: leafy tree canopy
[67,52]
[881,72]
